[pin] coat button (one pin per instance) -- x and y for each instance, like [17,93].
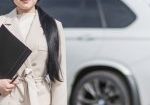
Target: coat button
[33,64]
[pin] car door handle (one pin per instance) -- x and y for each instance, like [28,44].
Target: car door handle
[85,37]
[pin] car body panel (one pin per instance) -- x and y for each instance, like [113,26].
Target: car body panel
[127,49]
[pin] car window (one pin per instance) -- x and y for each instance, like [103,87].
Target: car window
[116,13]
[6,6]
[73,13]
[84,13]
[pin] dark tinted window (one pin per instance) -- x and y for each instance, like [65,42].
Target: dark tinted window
[116,13]
[6,6]
[73,13]
[83,13]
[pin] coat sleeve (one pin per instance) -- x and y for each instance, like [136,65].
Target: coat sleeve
[59,89]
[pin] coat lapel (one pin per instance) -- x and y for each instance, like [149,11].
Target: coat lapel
[11,24]
[34,33]
[35,30]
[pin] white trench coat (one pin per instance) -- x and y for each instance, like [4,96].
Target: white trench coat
[34,89]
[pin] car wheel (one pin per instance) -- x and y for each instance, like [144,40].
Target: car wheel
[101,88]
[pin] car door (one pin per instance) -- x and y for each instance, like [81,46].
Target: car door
[82,22]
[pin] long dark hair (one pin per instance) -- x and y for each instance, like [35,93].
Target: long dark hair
[53,41]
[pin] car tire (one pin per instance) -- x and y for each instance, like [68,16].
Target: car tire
[101,88]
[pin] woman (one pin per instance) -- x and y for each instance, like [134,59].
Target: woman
[42,77]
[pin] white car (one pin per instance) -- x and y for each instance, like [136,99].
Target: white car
[108,49]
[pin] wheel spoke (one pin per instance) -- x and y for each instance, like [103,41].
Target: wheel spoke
[89,88]
[111,92]
[107,88]
[85,100]
[96,87]
[113,95]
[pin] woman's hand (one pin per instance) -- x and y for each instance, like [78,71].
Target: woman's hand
[6,87]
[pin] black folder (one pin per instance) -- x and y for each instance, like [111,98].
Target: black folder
[13,53]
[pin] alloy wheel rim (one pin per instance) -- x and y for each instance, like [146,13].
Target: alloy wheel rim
[100,92]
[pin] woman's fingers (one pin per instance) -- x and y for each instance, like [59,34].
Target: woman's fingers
[6,80]
[15,82]
[6,87]
[6,92]
[10,86]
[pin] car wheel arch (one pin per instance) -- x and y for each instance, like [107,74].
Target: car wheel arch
[127,77]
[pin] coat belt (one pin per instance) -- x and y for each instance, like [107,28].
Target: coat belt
[30,89]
